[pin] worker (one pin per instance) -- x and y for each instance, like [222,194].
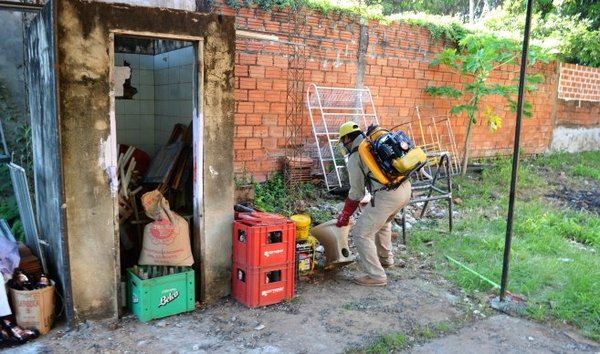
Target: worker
[372,232]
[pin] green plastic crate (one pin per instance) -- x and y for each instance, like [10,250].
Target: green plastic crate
[161,296]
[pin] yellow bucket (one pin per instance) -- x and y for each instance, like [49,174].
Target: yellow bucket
[302,222]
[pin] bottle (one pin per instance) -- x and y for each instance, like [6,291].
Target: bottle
[31,333]
[15,331]
[5,339]
[21,281]
[42,282]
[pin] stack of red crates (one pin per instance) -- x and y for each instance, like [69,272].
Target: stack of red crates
[264,250]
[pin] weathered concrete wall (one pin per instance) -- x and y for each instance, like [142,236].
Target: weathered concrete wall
[575,139]
[219,108]
[577,126]
[83,30]
[40,57]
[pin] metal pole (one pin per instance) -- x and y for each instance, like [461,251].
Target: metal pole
[515,162]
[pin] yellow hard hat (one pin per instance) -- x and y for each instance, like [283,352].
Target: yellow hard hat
[347,128]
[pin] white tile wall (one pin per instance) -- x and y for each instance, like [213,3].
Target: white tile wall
[164,98]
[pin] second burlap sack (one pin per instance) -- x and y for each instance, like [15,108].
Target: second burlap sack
[167,238]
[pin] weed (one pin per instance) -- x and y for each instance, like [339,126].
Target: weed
[353,306]
[274,196]
[384,344]
[425,333]
[388,343]
[444,327]
[319,216]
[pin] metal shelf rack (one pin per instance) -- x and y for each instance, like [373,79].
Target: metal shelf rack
[328,108]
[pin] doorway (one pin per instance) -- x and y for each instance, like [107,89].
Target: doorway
[155,85]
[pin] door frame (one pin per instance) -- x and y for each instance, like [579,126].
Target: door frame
[198,141]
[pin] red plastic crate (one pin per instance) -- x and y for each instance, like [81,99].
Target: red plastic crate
[264,245]
[261,218]
[255,287]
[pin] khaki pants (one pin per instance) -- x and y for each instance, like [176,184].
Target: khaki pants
[372,232]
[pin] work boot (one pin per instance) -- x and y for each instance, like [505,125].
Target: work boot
[367,280]
[387,262]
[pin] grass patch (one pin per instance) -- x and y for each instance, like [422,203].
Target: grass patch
[554,252]
[584,164]
[385,344]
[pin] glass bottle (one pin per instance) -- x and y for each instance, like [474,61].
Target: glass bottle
[15,331]
[42,282]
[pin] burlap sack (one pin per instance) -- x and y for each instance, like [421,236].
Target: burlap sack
[167,239]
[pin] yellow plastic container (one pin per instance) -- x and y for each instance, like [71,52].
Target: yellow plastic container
[302,222]
[305,255]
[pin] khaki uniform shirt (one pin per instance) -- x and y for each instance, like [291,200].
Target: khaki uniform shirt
[358,174]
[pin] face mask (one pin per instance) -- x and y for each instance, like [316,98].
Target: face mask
[342,148]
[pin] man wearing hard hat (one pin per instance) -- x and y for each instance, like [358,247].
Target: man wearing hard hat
[372,232]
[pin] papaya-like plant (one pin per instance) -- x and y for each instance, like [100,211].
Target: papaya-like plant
[476,57]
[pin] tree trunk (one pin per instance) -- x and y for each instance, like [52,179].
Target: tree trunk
[471,11]
[465,160]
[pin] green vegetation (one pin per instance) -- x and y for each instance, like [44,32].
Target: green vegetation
[389,343]
[17,132]
[475,59]
[274,196]
[397,342]
[10,213]
[584,164]
[554,252]
[568,28]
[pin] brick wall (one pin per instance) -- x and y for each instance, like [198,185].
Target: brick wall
[579,97]
[395,68]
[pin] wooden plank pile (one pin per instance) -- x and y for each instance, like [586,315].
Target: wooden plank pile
[172,165]
[127,203]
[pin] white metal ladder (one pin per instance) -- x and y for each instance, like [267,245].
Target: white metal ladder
[330,107]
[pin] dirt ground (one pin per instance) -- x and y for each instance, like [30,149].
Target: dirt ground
[330,314]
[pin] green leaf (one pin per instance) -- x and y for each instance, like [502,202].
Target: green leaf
[469,109]
[447,57]
[443,91]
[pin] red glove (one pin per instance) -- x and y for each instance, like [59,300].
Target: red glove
[349,208]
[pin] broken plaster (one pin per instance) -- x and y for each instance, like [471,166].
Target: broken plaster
[213,172]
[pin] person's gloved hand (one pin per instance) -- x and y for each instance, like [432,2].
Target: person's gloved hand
[349,208]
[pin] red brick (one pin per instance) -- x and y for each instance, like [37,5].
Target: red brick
[248,59]
[254,119]
[243,131]
[269,119]
[264,60]
[275,96]
[240,95]
[260,131]
[256,95]
[264,84]
[273,73]
[257,71]
[278,108]
[261,107]
[253,143]
[247,83]
[280,84]
[245,107]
